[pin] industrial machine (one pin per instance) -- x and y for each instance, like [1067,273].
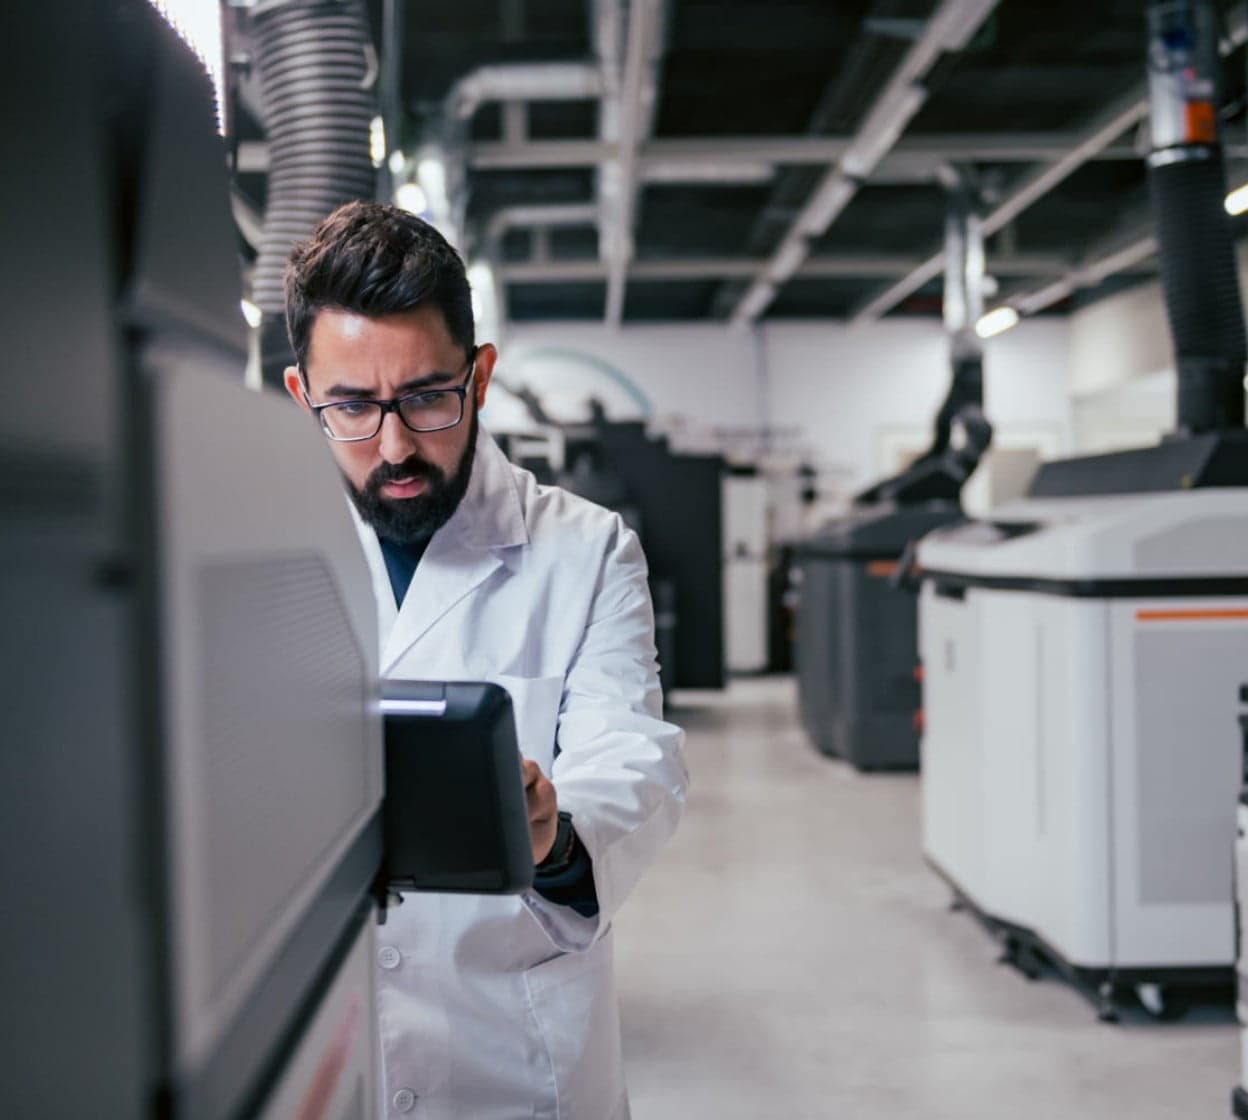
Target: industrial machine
[746,570]
[673,500]
[1239,1096]
[1082,647]
[856,651]
[192,833]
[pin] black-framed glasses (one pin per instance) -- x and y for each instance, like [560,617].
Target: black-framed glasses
[433,410]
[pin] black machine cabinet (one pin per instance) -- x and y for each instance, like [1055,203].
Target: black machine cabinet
[856,650]
[678,499]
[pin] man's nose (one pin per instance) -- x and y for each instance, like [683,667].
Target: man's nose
[396,440]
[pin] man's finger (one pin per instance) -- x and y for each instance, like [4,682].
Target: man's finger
[531,771]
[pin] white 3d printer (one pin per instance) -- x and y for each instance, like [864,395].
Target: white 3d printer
[1083,648]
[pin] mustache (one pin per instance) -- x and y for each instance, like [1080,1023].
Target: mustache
[412,467]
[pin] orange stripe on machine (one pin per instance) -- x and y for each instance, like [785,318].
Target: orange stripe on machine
[1225,614]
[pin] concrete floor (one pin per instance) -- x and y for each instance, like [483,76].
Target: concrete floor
[790,956]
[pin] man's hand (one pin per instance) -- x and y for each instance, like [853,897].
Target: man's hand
[539,796]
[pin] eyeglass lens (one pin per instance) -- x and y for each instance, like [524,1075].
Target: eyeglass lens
[422,412]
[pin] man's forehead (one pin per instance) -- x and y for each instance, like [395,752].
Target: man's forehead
[418,337]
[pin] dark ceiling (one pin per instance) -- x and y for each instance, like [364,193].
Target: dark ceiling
[747,73]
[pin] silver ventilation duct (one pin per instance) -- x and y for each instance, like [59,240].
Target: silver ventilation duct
[317,69]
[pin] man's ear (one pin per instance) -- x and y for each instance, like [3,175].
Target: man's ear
[294,386]
[487,355]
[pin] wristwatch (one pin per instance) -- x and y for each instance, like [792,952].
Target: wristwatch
[563,850]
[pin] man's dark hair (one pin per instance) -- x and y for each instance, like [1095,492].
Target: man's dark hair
[375,260]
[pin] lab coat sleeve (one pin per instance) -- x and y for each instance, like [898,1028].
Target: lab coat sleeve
[620,770]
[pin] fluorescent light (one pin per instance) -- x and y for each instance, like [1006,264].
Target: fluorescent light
[411,198]
[377,141]
[754,303]
[431,173]
[829,199]
[398,163]
[485,300]
[996,321]
[251,313]
[1237,200]
[788,259]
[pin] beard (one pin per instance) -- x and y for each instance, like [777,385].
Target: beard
[413,521]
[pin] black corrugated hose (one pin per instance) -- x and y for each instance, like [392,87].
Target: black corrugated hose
[313,59]
[1201,282]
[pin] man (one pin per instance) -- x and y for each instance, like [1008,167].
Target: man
[490,1007]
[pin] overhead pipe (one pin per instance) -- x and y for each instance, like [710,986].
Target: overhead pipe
[546,216]
[316,68]
[506,82]
[647,29]
[825,266]
[943,469]
[522,81]
[608,32]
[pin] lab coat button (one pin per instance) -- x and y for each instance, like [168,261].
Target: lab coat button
[405,1100]
[389,958]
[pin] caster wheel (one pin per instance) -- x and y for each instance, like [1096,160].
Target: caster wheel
[1159,1003]
[1106,1005]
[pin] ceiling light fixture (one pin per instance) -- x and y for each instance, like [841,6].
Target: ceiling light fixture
[997,321]
[377,141]
[1237,201]
[788,259]
[411,197]
[431,172]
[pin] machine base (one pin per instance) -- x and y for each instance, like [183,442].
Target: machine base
[1163,992]
[882,744]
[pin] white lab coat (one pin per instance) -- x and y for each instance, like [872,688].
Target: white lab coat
[496,1008]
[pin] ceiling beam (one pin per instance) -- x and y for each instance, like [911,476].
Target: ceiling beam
[638,102]
[914,159]
[948,29]
[1112,258]
[823,267]
[1104,129]
[909,152]
[1099,134]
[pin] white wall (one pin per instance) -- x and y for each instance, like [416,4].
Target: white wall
[700,372]
[855,398]
[1121,374]
[858,392]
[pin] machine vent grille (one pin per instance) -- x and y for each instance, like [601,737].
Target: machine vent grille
[283,760]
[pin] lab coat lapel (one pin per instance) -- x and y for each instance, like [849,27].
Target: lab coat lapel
[464,553]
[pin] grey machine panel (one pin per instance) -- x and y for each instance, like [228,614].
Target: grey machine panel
[857,650]
[271,727]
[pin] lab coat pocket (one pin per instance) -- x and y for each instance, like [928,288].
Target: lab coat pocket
[535,702]
[574,1002]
